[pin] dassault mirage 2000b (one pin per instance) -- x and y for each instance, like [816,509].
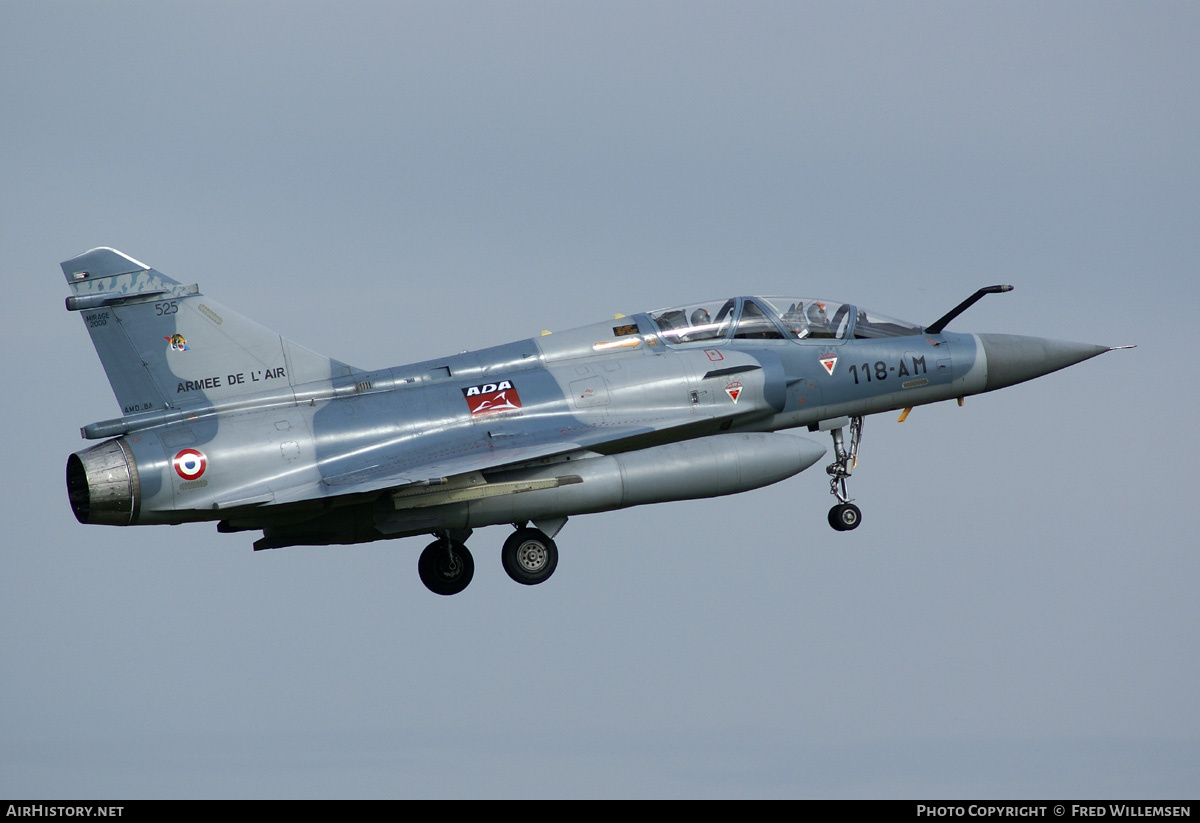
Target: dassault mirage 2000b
[223,419]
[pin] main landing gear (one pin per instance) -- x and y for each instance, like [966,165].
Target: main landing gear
[446,566]
[845,515]
[529,556]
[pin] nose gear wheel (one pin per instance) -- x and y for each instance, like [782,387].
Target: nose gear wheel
[845,515]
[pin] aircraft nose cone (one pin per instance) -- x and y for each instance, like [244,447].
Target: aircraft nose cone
[1013,359]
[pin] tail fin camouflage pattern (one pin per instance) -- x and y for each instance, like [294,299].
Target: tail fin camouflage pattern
[166,345]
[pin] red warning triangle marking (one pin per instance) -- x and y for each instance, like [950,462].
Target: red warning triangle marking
[734,389]
[829,362]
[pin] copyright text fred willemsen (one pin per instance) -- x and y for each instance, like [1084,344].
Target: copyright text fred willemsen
[1057,810]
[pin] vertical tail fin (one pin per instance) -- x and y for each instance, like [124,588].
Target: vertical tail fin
[166,345]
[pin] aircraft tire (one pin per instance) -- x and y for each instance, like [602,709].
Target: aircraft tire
[529,556]
[833,519]
[845,516]
[442,574]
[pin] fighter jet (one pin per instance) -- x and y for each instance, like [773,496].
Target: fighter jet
[224,420]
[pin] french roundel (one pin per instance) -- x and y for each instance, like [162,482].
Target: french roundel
[190,464]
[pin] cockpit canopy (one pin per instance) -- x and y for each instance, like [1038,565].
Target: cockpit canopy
[775,318]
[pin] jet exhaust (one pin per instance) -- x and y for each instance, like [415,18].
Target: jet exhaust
[103,484]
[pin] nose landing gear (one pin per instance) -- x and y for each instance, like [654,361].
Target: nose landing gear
[845,515]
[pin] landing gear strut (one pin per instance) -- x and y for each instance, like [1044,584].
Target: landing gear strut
[446,567]
[845,515]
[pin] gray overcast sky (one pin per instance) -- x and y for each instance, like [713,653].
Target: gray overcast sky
[387,182]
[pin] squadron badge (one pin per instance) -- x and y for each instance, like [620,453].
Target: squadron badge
[492,398]
[829,361]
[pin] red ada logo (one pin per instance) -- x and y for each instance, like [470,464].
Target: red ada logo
[490,398]
[190,464]
[829,360]
[734,390]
